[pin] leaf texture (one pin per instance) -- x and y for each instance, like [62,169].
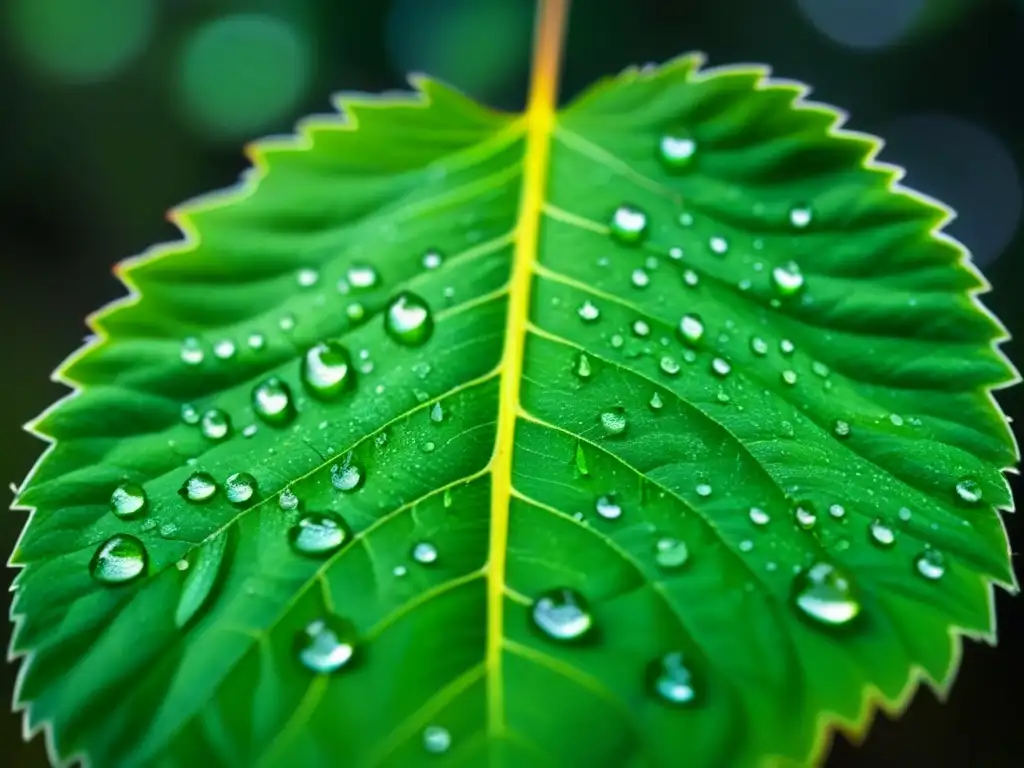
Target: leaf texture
[675,385]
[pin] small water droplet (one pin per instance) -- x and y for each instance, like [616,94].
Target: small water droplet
[436,740]
[347,476]
[272,401]
[428,447]
[287,322]
[686,219]
[640,278]
[789,377]
[119,560]
[704,489]
[676,152]
[787,347]
[562,615]
[691,328]
[608,507]
[931,564]
[840,428]
[824,594]
[240,488]
[199,487]
[691,278]
[628,225]
[408,320]
[128,500]
[838,511]
[256,341]
[669,365]
[399,571]
[192,351]
[326,371]
[670,680]
[189,414]
[720,367]
[805,514]
[588,312]
[746,545]
[216,424]
[249,430]
[800,216]
[718,245]
[641,328]
[437,413]
[432,260]
[362,277]
[326,645]
[355,312]
[896,419]
[613,421]
[905,514]
[424,553]
[787,279]
[758,346]
[224,349]
[656,402]
[820,369]
[319,535]
[670,554]
[675,253]
[881,534]
[288,501]
[759,517]
[583,368]
[307,277]
[969,491]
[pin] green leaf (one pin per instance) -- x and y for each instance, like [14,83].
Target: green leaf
[655,433]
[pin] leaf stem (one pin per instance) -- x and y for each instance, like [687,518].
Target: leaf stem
[539,122]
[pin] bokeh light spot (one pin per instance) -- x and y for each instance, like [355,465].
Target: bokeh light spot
[863,24]
[966,167]
[239,73]
[80,41]
[478,46]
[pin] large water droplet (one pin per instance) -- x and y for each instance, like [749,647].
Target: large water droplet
[119,560]
[670,680]
[326,645]
[881,534]
[613,421]
[199,487]
[327,371]
[128,500]
[629,225]
[968,490]
[931,564]
[215,425]
[272,401]
[691,328]
[240,488]
[347,476]
[436,740]
[824,594]
[787,279]
[319,535]
[608,506]
[671,554]
[562,615]
[676,152]
[424,553]
[408,320]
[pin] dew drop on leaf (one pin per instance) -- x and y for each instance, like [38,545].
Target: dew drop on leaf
[562,615]
[669,365]
[424,553]
[192,351]
[588,312]
[326,645]
[256,341]
[307,277]
[838,511]
[432,260]
[759,517]
[436,740]
[691,328]
[718,245]
[800,216]
[583,368]
[362,277]
[608,506]
[720,367]
[805,514]
[437,413]
[691,278]
[676,152]
[841,429]
[128,500]
[613,421]
[629,225]
[240,488]
[272,401]
[787,279]
[640,278]
[319,535]
[820,369]
[641,328]
[704,490]
[787,347]
[758,346]
[347,476]
[326,371]
[823,594]
[968,491]
[224,349]
[931,564]
[198,488]
[671,554]
[189,414]
[215,424]
[789,377]
[881,534]
[655,402]
[408,320]
[118,560]
[288,501]
[670,681]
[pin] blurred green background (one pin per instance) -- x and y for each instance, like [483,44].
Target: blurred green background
[112,111]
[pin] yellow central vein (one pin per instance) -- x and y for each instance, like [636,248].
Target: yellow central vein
[539,121]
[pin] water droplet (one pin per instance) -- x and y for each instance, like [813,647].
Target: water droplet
[789,377]
[718,245]
[362,277]
[432,260]
[307,278]
[326,645]
[640,278]
[704,489]
[256,341]
[931,564]
[583,368]
[805,515]
[671,554]
[216,425]
[613,421]
[128,500]
[192,351]
[896,419]
[240,488]
[588,312]
[675,253]
[189,414]
[691,278]
[720,367]
[119,560]
[608,507]
[670,680]
[676,152]
[840,428]
[788,279]
[436,740]
[437,413]
[759,517]
[249,430]
[629,225]
[424,553]
[669,365]
[224,349]
[746,545]
[399,571]
[319,535]
[787,347]
[288,501]
[824,594]
[347,476]
[758,346]
[838,511]
[428,447]
[272,401]
[968,490]
[655,402]
[641,328]
[287,322]
[408,320]
[326,371]
[562,615]
[691,328]
[800,216]
[199,487]
[355,311]
[820,369]
[881,534]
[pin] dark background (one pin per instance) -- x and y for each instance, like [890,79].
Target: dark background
[112,111]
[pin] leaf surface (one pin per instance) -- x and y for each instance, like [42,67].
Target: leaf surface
[691,356]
